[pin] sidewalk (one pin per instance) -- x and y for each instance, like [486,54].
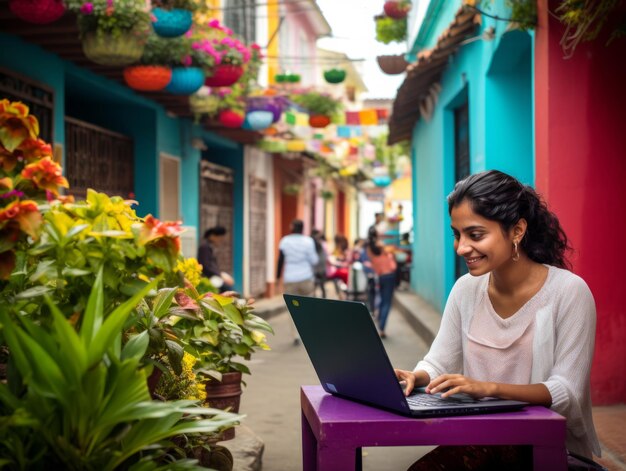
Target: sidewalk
[610,421]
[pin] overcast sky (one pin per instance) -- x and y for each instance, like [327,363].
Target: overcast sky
[354,33]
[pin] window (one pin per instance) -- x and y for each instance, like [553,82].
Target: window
[169,199]
[240,16]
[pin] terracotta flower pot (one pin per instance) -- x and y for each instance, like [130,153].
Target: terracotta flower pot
[147,78]
[224,75]
[231,119]
[37,11]
[319,121]
[396,10]
[225,395]
[393,64]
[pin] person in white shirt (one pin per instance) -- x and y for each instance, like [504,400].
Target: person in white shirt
[519,325]
[296,262]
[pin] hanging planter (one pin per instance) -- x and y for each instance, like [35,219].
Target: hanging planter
[270,104]
[382,180]
[224,75]
[397,9]
[273,145]
[171,23]
[37,11]
[287,78]
[204,104]
[231,119]
[335,75]
[319,121]
[392,65]
[296,145]
[258,120]
[147,78]
[185,80]
[114,51]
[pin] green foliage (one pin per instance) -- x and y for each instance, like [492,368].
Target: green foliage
[78,400]
[524,13]
[191,5]
[317,103]
[166,51]
[390,30]
[114,18]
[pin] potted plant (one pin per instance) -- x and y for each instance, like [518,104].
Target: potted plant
[390,30]
[37,11]
[230,54]
[392,64]
[320,106]
[334,75]
[154,70]
[113,33]
[188,71]
[397,9]
[173,18]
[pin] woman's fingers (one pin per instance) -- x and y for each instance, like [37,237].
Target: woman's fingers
[406,377]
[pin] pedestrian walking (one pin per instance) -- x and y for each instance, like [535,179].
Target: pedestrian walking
[384,265]
[296,261]
[518,326]
[322,264]
[207,257]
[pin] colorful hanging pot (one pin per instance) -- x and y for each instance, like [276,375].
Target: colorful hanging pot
[258,120]
[382,180]
[185,80]
[335,75]
[114,51]
[37,11]
[224,75]
[397,9]
[147,78]
[296,145]
[266,104]
[319,121]
[392,64]
[171,23]
[231,119]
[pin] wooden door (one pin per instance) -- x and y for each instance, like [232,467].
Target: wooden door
[216,207]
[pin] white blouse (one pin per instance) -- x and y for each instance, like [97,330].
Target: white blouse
[554,334]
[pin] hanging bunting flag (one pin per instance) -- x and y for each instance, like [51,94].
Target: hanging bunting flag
[382,113]
[368,117]
[344,131]
[290,117]
[352,117]
[302,119]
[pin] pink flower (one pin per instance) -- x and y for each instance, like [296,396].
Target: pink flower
[228,31]
[215,23]
[109,3]
[86,8]
[187,61]
[255,46]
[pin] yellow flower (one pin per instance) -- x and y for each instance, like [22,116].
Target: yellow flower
[191,270]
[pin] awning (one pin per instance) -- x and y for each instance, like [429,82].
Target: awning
[426,72]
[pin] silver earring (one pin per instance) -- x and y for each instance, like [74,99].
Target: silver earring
[515,251]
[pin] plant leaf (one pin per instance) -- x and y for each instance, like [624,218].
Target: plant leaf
[136,347]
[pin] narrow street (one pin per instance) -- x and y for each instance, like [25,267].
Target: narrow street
[271,398]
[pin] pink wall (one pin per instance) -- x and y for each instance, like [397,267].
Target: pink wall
[581,170]
[297,25]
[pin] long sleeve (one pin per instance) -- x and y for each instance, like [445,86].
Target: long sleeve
[569,377]
[313,257]
[206,258]
[446,353]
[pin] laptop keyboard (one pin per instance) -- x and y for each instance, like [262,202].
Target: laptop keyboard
[430,400]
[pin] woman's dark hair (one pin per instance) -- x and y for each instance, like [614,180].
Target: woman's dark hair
[372,241]
[499,197]
[215,231]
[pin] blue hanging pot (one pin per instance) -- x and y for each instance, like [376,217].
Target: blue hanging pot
[382,180]
[258,120]
[171,23]
[185,80]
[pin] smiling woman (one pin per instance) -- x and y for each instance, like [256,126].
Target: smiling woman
[519,325]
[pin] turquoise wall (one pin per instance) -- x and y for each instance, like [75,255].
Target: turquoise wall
[40,66]
[495,78]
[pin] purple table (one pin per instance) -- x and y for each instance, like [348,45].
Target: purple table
[335,429]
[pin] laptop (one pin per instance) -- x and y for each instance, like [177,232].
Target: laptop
[351,362]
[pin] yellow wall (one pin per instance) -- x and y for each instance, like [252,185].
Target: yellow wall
[273,22]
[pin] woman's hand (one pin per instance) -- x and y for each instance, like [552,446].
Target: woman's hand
[407,379]
[454,384]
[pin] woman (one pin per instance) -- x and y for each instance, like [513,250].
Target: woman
[519,325]
[384,265]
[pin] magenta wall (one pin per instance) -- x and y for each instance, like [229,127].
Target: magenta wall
[580,112]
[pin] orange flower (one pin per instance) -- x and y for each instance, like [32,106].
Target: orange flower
[26,214]
[35,149]
[16,125]
[46,174]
